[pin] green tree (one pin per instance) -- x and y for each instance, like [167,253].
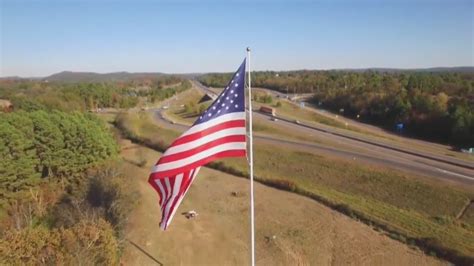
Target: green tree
[48,142]
[18,164]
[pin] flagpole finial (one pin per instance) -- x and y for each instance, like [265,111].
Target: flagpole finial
[248,49]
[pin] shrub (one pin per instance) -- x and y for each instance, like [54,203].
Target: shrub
[281,184]
[85,243]
[115,195]
[107,195]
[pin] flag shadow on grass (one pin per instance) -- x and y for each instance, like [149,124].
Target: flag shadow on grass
[144,252]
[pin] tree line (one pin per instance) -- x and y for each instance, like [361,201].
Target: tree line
[85,96]
[438,106]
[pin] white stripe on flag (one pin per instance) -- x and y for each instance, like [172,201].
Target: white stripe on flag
[198,156]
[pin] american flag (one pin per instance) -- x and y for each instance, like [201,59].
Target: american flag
[219,132]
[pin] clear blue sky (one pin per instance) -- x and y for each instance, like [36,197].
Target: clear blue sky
[39,38]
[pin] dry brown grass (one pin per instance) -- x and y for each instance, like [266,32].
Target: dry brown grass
[306,232]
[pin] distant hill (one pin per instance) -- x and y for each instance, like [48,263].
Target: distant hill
[69,76]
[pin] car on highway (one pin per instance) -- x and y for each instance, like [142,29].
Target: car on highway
[274,119]
[297,122]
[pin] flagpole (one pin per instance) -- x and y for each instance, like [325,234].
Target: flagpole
[252,218]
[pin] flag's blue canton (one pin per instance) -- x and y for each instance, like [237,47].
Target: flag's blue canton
[231,99]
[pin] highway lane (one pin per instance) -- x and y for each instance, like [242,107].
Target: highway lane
[354,140]
[425,165]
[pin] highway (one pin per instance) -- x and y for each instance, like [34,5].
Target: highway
[353,148]
[390,141]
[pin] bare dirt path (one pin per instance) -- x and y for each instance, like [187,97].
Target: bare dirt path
[290,229]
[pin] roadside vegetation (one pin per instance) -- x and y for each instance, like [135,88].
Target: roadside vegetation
[399,204]
[437,106]
[186,107]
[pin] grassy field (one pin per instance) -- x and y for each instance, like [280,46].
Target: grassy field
[268,128]
[315,235]
[413,209]
[311,171]
[404,204]
[293,111]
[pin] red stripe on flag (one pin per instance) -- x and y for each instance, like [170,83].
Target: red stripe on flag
[191,152]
